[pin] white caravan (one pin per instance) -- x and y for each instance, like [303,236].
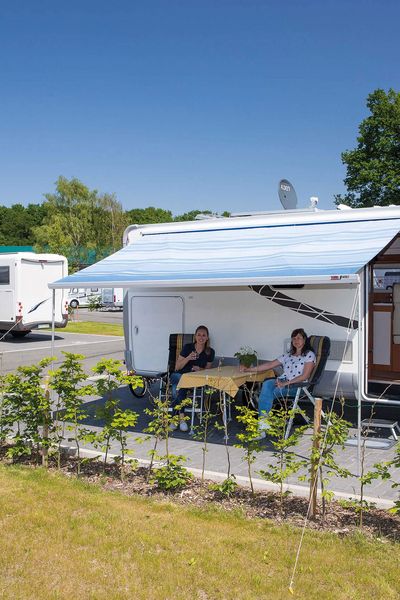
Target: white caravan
[253,279]
[83,296]
[112,298]
[25,298]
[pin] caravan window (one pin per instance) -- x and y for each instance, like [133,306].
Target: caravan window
[4,275]
[390,278]
[384,279]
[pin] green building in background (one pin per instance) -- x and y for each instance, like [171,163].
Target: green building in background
[7,249]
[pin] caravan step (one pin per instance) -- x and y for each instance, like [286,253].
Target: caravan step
[381,424]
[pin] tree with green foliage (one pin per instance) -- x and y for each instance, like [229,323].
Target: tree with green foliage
[286,461]
[17,223]
[249,438]
[202,430]
[373,167]
[191,215]
[143,216]
[116,420]
[109,222]
[69,383]
[322,456]
[67,225]
[27,404]
[395,462]
[78,220]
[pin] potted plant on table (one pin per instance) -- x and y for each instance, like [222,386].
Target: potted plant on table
[247,356]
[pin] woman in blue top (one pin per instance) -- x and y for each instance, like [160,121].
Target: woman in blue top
[194,356]
[297,364]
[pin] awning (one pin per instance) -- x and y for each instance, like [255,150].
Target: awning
[310,252]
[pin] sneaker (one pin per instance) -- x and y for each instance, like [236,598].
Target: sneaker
[263,425]
[261,436]
[183,426]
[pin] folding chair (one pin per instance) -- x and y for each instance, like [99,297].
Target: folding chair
[176,342]
[321,346]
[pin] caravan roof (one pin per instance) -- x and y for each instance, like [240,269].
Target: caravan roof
[280,248]
[31,256]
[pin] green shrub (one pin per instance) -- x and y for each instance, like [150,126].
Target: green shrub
[172,476]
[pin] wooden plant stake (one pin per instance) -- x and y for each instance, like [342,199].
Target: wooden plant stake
[315,457]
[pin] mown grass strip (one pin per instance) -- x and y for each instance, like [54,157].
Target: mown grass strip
[62,538]
[94,328]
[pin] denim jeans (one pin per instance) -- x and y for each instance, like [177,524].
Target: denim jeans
[177,395]
[269,393]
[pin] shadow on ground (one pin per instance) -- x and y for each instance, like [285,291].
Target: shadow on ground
[216,433]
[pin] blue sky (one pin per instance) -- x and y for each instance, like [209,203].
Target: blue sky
[188,104]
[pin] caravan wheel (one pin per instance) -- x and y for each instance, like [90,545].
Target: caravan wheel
[139,387]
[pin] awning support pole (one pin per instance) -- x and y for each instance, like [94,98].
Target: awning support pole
[53,319]
[361,363]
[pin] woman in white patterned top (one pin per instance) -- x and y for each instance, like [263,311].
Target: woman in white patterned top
[297,364]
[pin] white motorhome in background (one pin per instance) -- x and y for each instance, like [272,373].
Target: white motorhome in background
[252,279]
[83,296]
[112,298]
[25,298]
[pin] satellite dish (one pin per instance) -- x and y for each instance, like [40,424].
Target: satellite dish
[287,195]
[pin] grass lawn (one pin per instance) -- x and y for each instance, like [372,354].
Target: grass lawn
[61,538]
[94,327]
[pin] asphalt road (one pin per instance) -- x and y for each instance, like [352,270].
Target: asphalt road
[101,316]
[37,344]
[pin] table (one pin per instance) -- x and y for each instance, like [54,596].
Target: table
[227,379]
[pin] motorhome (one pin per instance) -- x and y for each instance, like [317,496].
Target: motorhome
[252,279]
[25,298]
[112,298]
[83,296]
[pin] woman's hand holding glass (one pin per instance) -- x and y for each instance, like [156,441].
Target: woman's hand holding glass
[194,356]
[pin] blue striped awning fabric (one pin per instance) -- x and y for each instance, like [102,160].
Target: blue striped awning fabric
[305,252]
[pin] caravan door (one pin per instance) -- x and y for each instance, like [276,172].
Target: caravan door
[384,310]
[153,318]
[7,291]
